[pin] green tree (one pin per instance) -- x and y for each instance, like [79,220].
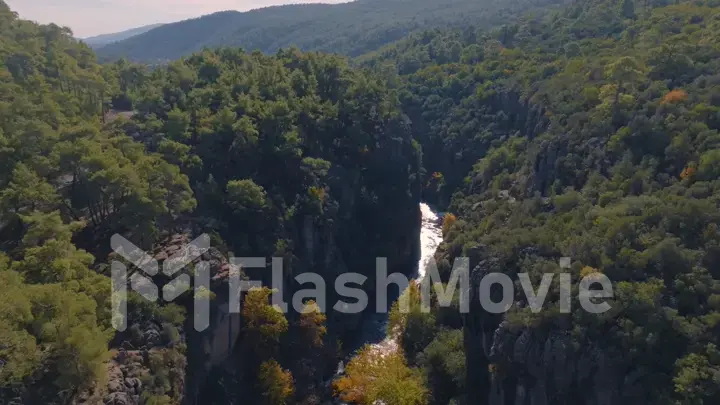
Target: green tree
[697,379]
[472,54]
[628,9]
[312,324]
[27,192]
[623,72]
[444,362]
[264,324]
[177,125]
[246,197]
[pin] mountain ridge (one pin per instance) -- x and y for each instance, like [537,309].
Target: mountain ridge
[101,40]
[351,29]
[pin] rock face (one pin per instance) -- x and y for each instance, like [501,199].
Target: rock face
[166,355]
[210,347]
[123,388]
[520,366]
[352,234]
[127,370]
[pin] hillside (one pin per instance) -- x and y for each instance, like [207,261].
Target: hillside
[297,156]
[592,134]
[350,29]
[105,39]
[55,318]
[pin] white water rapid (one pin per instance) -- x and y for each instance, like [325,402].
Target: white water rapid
[430,239]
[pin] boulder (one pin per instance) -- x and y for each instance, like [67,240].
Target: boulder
[152,337]
[119,398]
[133,384]
[115,386]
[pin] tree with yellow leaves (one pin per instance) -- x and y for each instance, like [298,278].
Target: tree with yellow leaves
[373,376]
[448,221]
[263,325]
[277,383]
[312,324]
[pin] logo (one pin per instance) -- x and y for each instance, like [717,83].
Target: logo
[145,266]
[593,287]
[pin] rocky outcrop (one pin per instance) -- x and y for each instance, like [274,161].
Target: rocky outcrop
[351,232]
[213,346]
[134,376]
[511,365]
[152,355]
[124,385]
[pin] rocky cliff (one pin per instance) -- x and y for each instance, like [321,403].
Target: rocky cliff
[155,358]
[508,364]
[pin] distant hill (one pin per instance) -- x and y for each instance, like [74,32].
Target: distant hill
[105,39]
[350,28]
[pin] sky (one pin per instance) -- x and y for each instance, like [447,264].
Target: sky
[93,17]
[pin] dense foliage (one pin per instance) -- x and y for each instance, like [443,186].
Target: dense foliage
[61,173]
[261,151]
[373,376]
[591,134]
[351,29]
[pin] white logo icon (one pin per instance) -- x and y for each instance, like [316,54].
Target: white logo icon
[148,266]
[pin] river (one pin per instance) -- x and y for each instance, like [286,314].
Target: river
[375,325]
[430,237]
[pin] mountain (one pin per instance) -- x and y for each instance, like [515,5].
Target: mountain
[105,39]
[350,28]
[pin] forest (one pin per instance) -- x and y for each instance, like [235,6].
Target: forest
[588,131]
[588,134]
[350,29]
[257,151]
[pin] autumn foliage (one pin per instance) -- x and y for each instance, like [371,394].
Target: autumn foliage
[448,221]
[276,383]
[398,318]
[262,321]
[312,324]
[372,377]
[675,96]
[688,172]
[437,179]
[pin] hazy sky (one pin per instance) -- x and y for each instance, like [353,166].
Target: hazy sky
[93,17]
